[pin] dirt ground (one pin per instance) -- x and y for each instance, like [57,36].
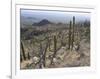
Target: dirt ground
[65,58]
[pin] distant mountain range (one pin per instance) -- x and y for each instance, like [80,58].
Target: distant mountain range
[28,21]
[24,20]
[42,23]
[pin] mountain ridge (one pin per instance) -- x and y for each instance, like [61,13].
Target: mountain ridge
[42,23]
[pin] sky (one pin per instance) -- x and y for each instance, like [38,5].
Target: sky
[53,16]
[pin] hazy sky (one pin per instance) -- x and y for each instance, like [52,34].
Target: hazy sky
[54,16]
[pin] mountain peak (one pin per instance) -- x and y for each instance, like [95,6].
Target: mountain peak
[42,22]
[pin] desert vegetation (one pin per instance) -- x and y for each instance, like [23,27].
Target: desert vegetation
[54,45]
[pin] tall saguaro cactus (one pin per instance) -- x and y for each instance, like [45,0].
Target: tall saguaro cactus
[73,30]
[23,51]
[41,57]
[55,49]
[71,33]
[44,54]
[69,43]
[55,45]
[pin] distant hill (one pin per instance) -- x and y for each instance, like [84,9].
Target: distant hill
[27,21]
[42,23]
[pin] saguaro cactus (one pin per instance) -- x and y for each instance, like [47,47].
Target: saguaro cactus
[23,51]
[73,30]
[62,37]
[55,49]
[78,38]
[55,45]
[28,55]
[69,43]
[21,59]
[49,41]
[41,57]
[44,54]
